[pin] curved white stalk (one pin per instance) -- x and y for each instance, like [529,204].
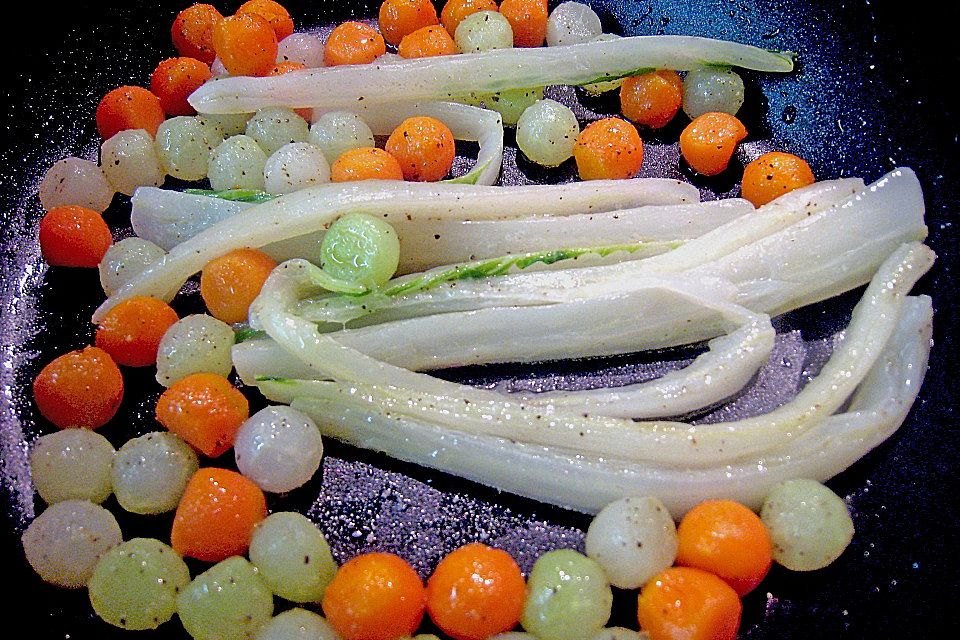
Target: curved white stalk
[313,210]
[445,77]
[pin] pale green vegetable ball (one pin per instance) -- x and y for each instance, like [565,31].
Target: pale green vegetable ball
[279,448]
[72,464]
[338,132]
[229,601]
[64,542]
[708,90]
[295,166]
[484,31]
[568,597]
[619,633]
[547,132]
[276,126]
[297,624]
[237,164]
[292,556]
[129,160]
[572,23]
[73,181]
[228,124]
[597,88]
[360,248]
[305,48]
[511,104]
[135,585]
[184,145]
[195,344]
[809,524]
[151,472]
[125,260]
[633,539]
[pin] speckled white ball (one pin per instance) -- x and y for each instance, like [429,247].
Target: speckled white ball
[129,160]
[237,164]
[708,90]
[297,624]
[279,448]
[572,23]
[305,48]
[295,166]
[125,260]
[228,124]
[73,181]
[195,344]
[73,464]
[337,132]
[547,132]
[484,31]
[274,127]
[184,144]
[151,472]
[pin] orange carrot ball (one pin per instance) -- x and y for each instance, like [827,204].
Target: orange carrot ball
[365,163]
[427,42]
[681,603]
[274,13]
[216,515]
[652,99]
[174,80]
[79,389]
[774,174]
[131,331]
[246,44]
[192,32]
[608,149]
[375,596]
[528,19]
[230,283]
[353,43]
[456,11]
[708,143]
[129,108]
[424,147]
[205,410]
[399,18]
[74,236]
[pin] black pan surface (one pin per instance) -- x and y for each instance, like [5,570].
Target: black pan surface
[871,93]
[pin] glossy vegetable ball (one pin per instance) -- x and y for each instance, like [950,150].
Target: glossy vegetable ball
[230,283]
[184,145]
[276,127]
[809,524]
[273,12]
[365,163]
[399,18]
[652,99]
[72,236]
[305,48]
[229,601]
[512,103]
[135,585]
[572,23]
[297,624]
[131,331]
[150,473]
[708,143]
[229,124]
[427,42]
[217,515]
[608,149]
[456,11]
[682,603]
[279,448]
[547,132]
[528,20]
[73,464]
[205,410]
[774,174]
[728,540]
[130,160]
[424,147]
[73,181]
[293,557]
[295,166]
[483,31]
[375,596]
[337,132]
[195,344]
[246,44]
[79,389]
[568,597]
[125,260]
[192,32]
[174,80]
[237,163]
[475,592]
[128,108]
[64,542]
[353,43]
[706,90]
[360,248]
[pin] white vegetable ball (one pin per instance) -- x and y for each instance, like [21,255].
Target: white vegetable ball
[707,90]
[274,127]
[292,556]
[125,260]
[338,132]
[602,87]
[184,144]
[572,23]
[229,124]
[295,166]
[73,181]
[279,448]
[73,464]
[512,103]
[619,633]
[195,344]
[129,160]
[484,31]
[151,472]
[237,164]
[305,48]
[547,132]
[297,624]
[633,539]
[809,524]
[64,542]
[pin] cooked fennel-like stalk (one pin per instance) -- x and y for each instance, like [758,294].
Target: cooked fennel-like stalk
[446,77]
